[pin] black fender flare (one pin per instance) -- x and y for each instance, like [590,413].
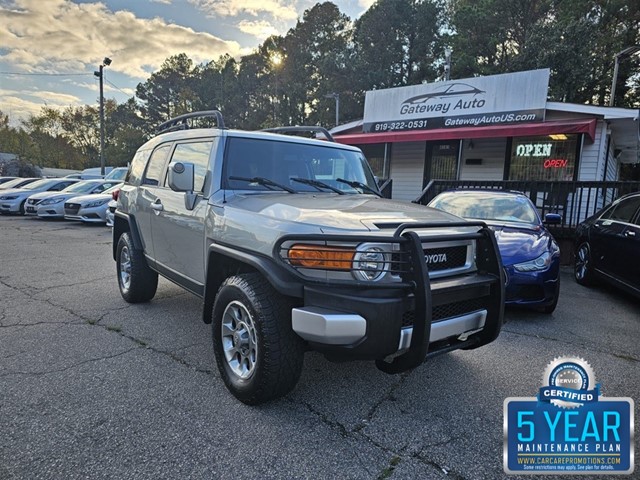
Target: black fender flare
[283,281]
[125,223]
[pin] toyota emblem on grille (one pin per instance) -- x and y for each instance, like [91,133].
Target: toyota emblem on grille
[435,258]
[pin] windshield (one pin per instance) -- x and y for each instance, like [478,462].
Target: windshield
[114,188]
[487,206]
[117,174]
[282,162]
[81,187]
[41,184]
[15,183]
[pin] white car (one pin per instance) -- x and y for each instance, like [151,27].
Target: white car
[52,205]
[111,212]
[14,200]
[90,208]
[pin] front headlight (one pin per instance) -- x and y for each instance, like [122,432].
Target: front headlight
[96,203]
[52,201]
[538,264]
[367,262]
[9,197]
[370,263]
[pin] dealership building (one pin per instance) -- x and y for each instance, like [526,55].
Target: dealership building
[490,129]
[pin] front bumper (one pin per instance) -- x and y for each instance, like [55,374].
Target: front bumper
[55,210]
[10,206]
[532,289]
[368,325]
[88,215]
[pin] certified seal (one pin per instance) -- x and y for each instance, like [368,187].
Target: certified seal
[569,382]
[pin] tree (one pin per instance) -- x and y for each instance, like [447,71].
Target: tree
[577,40]
[170,91]
[397,43]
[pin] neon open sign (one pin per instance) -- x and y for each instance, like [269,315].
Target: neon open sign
[555,163]
[534,150]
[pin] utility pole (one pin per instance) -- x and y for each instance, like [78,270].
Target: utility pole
[627,52]
[100,74]
[447,64]
[336,97]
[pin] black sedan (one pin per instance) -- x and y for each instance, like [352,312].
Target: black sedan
[608,246]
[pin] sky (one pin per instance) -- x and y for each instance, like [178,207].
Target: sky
[49,49]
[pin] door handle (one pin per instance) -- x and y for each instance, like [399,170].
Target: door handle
[157,206]
[629,233]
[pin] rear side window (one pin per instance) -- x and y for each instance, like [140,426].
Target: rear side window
[624,211]
[198,154]
[155,167]
[134,175]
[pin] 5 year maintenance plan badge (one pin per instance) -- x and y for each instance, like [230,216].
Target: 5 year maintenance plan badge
[569,427]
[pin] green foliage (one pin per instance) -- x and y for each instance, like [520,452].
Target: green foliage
[287,79]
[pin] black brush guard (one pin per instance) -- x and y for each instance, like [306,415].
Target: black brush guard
[416,279]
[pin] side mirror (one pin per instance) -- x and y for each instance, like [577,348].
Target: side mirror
[553,218]
[181,176]
[181,180]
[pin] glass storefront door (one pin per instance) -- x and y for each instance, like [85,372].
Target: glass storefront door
[441,161]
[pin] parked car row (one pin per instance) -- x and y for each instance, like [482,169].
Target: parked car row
[69,198]
[607,244]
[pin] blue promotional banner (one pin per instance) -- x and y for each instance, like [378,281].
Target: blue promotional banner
[569,428]
[543,438]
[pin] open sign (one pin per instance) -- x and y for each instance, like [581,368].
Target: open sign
[555,163]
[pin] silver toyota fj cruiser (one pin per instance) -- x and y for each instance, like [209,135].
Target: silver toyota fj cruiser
[290,246]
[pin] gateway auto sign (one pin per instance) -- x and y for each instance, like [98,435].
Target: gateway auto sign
[498,99]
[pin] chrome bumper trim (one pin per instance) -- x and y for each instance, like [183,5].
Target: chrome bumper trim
[450,327]
[326,326]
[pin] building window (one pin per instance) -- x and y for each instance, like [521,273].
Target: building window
[546,158]
[375,154]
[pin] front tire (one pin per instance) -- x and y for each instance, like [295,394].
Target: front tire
[549,309]
[258,354]
[137,282]
[583,267]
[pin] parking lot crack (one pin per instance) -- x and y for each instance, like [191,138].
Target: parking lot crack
[623,356]
[443,468]
[75,365]
[389,395]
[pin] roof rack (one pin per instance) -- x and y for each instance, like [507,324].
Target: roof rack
[180,122]
[296,129]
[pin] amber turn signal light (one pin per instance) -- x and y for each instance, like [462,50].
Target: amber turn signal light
[317,256]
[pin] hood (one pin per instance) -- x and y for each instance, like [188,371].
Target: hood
[43,195]
[13,191]
[82,199]
[65,195]
[332,211]
[519,244]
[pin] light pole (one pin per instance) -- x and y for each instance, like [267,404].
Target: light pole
[627,52]
[105,63]
[276,60]
[447,64]
[336,97]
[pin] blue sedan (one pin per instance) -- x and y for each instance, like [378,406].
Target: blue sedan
[530,255]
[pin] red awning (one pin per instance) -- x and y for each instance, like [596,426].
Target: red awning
[492,131]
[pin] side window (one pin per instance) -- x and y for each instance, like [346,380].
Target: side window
[137,167]
[198,154]
[58,186]
[155,167]
[624,211]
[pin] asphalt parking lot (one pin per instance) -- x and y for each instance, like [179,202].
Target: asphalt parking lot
[91,387]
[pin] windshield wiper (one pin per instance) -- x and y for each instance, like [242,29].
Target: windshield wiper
[317,183]
[362,186]
[265,182]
